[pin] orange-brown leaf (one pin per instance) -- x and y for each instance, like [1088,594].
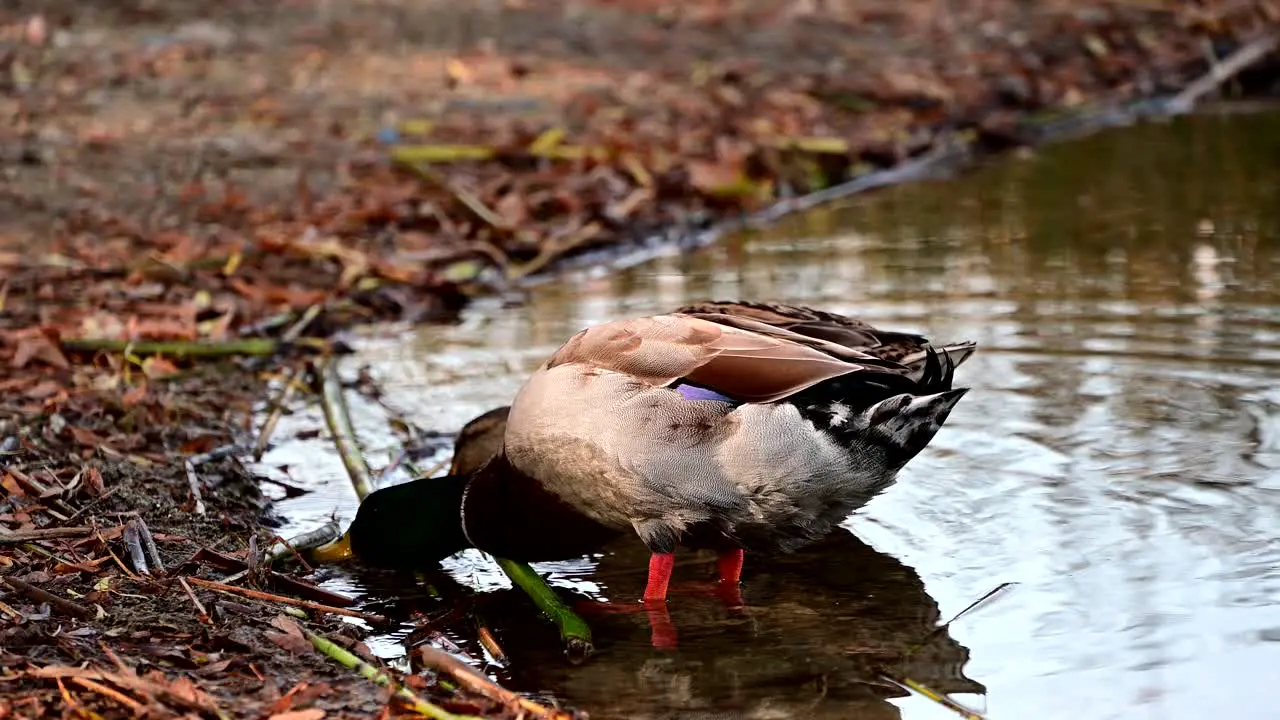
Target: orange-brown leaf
[38,346]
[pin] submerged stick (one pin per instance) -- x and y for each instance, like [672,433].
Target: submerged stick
[338,418]
[945,701]
[574,631]
[349,660]
[473,681]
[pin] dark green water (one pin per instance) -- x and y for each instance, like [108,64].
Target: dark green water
[1119,457]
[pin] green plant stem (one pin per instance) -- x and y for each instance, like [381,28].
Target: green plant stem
[178,348]
[574,631]
[349,660]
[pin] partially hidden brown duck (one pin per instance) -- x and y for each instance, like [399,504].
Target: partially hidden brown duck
[729,426]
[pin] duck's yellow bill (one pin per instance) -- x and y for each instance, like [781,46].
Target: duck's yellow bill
[336,551]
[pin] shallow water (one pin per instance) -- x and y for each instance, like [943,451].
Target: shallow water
[1119,457]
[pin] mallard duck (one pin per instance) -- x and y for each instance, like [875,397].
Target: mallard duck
[729,426]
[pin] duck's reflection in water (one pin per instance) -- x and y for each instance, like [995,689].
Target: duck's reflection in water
[819,628]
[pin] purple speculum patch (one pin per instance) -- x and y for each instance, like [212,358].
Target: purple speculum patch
[693,392]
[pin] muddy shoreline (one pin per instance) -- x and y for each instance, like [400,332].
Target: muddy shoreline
[243,184]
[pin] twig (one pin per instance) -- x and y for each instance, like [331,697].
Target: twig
[136,684]
[464,196]
[396,461]
[293,585]
[277,406]
[349,660]
[119,563]
[294,331]
[39,489]
[910,685]
[70,608]
[473,681]
[574,631]
[133,542]
[193,482]
[218,453]
[344,436]
[112,693]
[490,643]
[16,537]
[178,348]
[553,251]
[92,504]
[1221,72]
[68,699]
[283,600]
[204,614]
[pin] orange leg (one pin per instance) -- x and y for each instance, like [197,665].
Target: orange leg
[660,566]
[730,566]
[654,604]
[663,631]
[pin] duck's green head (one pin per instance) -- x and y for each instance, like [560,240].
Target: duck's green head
[419,523]
[411,525]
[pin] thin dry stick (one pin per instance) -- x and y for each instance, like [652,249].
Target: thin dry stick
[464,196]
[473,681]
[338,418]
[112,693]
[68,699]
[193,482]
[125,680]
[1224,71]
[294,331]
[120,563]
[283,600]
[277,405]
[35,593]
[15,537]
[204,614]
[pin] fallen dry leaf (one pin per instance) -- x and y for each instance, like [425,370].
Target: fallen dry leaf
[158,367]
[38,346]
[93,481]
[291,639]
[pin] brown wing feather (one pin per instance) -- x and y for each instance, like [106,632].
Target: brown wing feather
[748,361]
[832,327]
